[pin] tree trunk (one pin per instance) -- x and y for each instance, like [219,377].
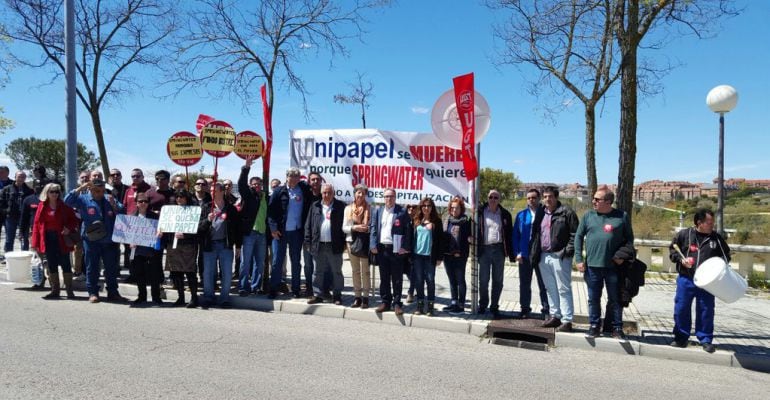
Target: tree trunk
[97,123]
[591,148]
[363,114]
[627,146]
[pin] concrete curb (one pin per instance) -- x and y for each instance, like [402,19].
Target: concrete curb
[723,358]
[755,362]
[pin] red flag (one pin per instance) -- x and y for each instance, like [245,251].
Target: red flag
[464,99]
[268,117]
[203,120]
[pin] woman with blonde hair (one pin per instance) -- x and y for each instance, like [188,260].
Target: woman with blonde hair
[53,221]
[356,227]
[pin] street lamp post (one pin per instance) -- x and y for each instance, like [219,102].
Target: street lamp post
[721,99]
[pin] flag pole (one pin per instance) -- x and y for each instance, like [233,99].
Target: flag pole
[474,196]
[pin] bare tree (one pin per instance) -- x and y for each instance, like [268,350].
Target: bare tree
[113,37]
[361,94]
[235,47]
[571,44]
[634,21]
[5,67]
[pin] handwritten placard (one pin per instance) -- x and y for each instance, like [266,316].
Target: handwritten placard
[136,230]
[182,219]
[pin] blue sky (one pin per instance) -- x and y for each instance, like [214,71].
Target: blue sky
[410,53]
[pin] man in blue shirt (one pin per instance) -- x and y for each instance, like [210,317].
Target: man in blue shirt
[522,233]
[97,209]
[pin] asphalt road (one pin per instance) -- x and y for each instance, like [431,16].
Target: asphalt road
[76,350]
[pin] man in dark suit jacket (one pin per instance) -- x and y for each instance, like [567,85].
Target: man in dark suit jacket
[325,241]
[390,241]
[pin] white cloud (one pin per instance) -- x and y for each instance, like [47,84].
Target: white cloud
[420,110]
[305,45]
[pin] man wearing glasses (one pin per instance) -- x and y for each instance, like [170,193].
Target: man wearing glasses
[179,182]
[522,233]
[495,232]
[202,194]
[11,200]
[118,187]
[609,242]
[551,248]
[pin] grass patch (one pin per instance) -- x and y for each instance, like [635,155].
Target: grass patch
[758,281]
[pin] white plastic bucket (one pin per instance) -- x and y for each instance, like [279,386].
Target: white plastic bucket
[718,278]
[18,263]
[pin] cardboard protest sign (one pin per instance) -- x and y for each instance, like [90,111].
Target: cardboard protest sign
[184,148]
[248,144]
[182,219]
[218,138]
[136,230]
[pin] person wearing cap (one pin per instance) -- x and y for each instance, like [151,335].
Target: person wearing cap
[98,212]
[697,244]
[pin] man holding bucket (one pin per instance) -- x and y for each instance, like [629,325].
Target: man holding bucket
[689,249]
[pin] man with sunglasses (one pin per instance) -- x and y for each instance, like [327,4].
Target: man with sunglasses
[522,232]
[202,194]
[495,232]
[551,249]
[118,187]
[606,234]
[97,209]
[11,199]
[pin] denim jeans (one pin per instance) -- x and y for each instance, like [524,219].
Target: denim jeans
[328,264]
[557,278]
[252,261]
[525,286]
[596,278]
[455,271]
[223,254]
[97,253]
[391,274]
[11,227]
[686,291]
[492,261]
[425,273]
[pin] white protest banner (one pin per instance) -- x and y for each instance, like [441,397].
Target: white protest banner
[416,165]
[136,230]
[182,219]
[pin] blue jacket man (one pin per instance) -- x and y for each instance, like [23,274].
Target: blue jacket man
[522,234]
[96,210]
[390,240]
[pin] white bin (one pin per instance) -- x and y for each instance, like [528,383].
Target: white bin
[718,278]
[18,265]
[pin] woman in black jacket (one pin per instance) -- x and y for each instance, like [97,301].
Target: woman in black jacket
[458,235]
[427,252]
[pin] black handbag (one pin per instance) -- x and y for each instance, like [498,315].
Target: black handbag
[96,231]
[359,247]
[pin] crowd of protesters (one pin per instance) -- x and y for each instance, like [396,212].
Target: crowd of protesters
[73,231]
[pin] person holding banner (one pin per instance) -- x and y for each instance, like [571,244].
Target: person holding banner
[54,220]
[356,227]
[253,228]
[181,257]
[218,229]
[325,241]
[98,213]
[146,261]
[390,240]
[428,252]
[689,249]
[286,215]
